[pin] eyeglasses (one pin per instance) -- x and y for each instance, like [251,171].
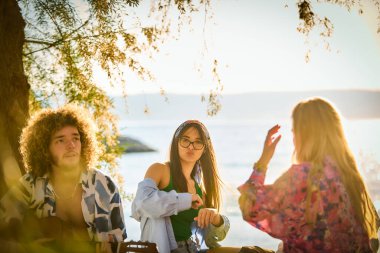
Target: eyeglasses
[185,143]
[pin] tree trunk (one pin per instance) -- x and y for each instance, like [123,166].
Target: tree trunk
[14,92]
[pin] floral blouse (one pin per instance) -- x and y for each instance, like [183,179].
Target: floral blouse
[101,203]
[280,210]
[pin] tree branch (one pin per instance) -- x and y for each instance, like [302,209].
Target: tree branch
[51,44]
[51,17]
[60,41]
[37,41]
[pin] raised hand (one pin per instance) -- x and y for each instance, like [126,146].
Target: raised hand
[269,147]
[207,216]
[196,201]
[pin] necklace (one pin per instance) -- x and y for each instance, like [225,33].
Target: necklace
[66,198]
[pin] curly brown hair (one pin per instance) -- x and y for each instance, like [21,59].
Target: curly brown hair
[36,136]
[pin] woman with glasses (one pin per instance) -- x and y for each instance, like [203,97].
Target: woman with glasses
[320,204]
[177,204]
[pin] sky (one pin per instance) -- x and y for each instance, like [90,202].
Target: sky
[258,48]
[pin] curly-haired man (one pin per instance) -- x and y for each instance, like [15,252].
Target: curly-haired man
[59,150]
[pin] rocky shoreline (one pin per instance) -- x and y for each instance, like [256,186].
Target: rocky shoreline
[130,145]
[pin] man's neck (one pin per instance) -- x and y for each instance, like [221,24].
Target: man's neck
[64,175]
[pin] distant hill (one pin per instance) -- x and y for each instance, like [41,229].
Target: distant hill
[353,104]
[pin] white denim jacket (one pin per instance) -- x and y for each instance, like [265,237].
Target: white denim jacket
[153,207]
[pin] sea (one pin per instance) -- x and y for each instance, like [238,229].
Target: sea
[237,146]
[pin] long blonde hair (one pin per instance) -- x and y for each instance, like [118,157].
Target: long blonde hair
[318,134]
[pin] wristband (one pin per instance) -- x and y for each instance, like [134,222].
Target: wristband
[259,167]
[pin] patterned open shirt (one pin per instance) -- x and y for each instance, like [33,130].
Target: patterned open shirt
[101,203]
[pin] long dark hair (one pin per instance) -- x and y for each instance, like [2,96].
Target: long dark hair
[206,165]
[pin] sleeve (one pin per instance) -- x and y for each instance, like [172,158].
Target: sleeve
[262,205]
[109,211]
[152,202]
[17,200]
[214,234]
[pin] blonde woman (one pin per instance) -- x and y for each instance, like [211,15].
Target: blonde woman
[321,203]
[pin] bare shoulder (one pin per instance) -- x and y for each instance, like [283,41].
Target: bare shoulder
[160,173]
[156,168]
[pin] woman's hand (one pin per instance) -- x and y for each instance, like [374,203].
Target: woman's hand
[269,147]
[196,201]
[207,216]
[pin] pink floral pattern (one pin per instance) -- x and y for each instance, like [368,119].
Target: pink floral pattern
[280,210]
